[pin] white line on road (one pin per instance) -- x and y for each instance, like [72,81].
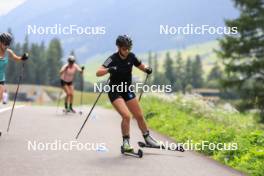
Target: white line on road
[10,107]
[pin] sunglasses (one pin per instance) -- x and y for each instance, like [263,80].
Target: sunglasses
[71,62]
[125,48]
[5,44]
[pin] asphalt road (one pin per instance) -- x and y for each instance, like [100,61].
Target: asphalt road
[43,126]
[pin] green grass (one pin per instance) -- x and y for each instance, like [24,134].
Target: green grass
[88,97]
[191,120]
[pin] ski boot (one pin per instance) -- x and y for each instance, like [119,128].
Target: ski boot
[150,141]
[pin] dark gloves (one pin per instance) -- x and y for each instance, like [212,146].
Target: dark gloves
[112,69]
[82,68]
[24,56]
[148,70]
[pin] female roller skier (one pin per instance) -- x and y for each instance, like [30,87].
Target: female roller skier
[5,54]
[119,65]
[67,74]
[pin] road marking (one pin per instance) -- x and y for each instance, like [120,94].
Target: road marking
[9,108]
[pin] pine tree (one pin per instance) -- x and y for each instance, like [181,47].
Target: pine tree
[155,68]
[168,67]
[28,72]
[197,73]
[215,73]
[43,64]
[155,64]
[179,73]
[188,73]
[39,66]
[150,58]
[214,77]
[243,54]
[54,62]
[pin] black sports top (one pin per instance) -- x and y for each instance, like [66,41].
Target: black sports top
[124,68]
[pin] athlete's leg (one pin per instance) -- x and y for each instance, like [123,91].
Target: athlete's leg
[71,93]
[66,90]
[120,105]
[136,111]
[1,92]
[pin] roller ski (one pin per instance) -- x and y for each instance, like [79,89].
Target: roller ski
[65,111]
[126,149]
[144,145]
[72,111]
[131,152]
[150,142]
[69,110]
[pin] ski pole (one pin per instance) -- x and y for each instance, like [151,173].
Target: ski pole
[19,81]
[81,98]
[82,85]
[90,112]
[142,89]
[81,92]
[58,101]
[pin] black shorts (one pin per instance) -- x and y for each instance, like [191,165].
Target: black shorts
[63,83]
[2,82]
[125,95]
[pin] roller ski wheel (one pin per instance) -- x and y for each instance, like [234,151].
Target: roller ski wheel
[72,111]
[66,111]
[138,154]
